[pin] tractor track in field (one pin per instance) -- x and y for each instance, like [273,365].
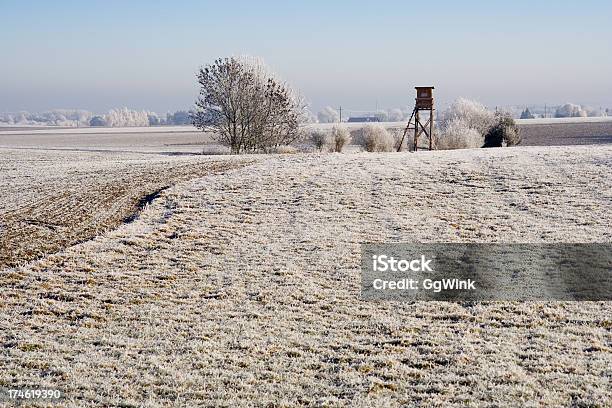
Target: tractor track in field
[57,207]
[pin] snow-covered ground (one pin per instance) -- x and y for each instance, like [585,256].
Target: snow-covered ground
[188,140]
[183,129]
[242,289]
[120,139]
[100,130]
[552,121]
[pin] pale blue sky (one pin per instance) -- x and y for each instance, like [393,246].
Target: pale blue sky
[144,54]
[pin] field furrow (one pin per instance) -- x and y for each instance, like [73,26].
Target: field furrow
[52,200]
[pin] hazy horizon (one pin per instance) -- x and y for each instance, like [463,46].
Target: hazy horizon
[360,55]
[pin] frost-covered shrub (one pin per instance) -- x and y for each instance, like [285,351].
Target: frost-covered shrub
[468,124]
[505,131]
[464,125]
[319,139]
[376,139]
[457,134]
[473,114]
[340,137]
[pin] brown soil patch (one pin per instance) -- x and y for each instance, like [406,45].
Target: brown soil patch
[78,208]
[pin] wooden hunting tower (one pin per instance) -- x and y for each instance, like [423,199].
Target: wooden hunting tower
[423,102]
[424,99]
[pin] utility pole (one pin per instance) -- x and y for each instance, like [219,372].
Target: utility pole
[340,109]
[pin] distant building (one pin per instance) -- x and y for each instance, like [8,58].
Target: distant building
[354,119]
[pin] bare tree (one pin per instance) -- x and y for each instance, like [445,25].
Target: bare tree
[246,106]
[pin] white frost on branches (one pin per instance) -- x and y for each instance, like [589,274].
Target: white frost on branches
[457,134]
[247,107]
[571,110]
[464,125]
[473,114]
[55,117]
[328,115]
[126,117]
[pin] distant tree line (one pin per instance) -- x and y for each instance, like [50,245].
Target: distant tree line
[55,117]
[332,115]
[127,117]
[569,110]
[83,118]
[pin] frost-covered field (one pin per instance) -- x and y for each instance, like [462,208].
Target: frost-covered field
[52,199]
[27,129]
[242,289]
[186,139]
[137,140]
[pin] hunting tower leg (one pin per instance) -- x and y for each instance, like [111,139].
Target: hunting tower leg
[416,129]
[431,122]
